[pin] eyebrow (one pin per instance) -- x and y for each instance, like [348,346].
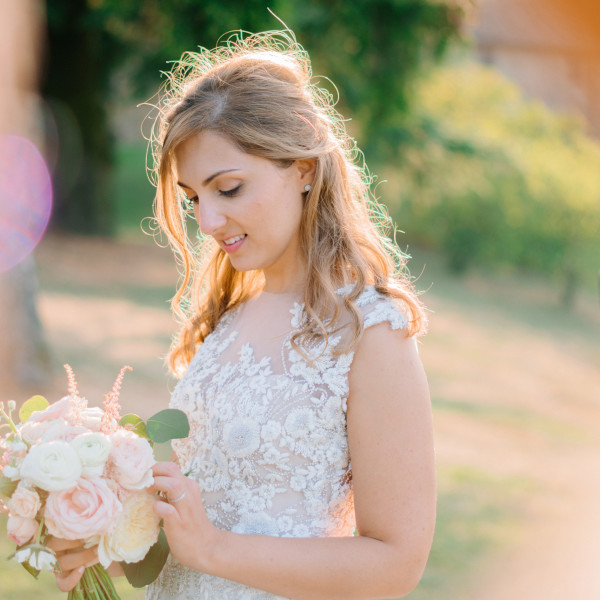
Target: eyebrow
[208,179]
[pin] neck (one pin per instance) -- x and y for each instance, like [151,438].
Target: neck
[286,281]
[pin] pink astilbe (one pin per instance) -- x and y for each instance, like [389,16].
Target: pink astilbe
[72,388]
[112,408]
[79,404]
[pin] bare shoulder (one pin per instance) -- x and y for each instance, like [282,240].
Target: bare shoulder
[387,357]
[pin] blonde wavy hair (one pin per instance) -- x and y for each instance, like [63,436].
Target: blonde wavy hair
[257,91]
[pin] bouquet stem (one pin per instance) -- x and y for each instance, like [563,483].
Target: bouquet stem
[95,584]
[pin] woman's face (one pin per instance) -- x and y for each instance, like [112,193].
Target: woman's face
[248,204]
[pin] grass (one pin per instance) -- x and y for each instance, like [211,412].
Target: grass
[471,524]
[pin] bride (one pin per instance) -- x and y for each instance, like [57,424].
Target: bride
[309,468]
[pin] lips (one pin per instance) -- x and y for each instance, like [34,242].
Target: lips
[232,240]
[233,243]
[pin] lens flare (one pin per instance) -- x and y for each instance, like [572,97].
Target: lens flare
[25,199]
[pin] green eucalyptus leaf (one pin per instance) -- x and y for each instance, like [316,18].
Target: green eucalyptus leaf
[35,403]
[7,486]
[144,572]
[168,424]
[134,423]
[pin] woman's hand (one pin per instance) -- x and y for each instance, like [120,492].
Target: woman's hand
[189,531]
[73,558]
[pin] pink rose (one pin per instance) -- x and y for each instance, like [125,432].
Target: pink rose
[21,529]
[88,509]
[24,502]
[57,410]
[63,431]
[131,459]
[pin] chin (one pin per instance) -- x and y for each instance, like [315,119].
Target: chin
[244,265]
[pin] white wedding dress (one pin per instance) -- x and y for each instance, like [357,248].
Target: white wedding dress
[268,442]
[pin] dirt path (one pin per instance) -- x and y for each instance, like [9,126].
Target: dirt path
[552,437]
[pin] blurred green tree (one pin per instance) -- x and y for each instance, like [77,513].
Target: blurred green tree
[491,178]
[371,49]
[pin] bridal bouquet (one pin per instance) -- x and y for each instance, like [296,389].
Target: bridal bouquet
[80,473]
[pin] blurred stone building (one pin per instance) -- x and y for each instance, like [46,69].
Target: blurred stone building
[550,48]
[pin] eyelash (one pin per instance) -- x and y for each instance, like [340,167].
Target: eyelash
[231,192]
[226,193]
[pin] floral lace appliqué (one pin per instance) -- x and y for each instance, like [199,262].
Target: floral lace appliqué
[268,449]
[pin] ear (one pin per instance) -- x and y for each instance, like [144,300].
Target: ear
[306,168]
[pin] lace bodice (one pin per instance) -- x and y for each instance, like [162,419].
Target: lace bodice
[268,442]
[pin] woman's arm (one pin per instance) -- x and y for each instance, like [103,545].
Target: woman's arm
[391,445]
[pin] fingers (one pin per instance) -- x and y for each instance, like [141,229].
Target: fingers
[172,487]
[60,545]
[168,469]
[70,561]
[67,581]
[165,511]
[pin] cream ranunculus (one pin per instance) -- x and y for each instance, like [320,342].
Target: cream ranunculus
[24,502]
[93,450]
[135,531]
[52,466]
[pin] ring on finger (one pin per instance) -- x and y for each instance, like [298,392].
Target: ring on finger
[180,497]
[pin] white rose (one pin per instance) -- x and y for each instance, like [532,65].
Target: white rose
[62,431]
[135,531]
[53,466]
[92,418]
[93,450]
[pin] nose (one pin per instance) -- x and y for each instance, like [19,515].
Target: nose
[209,217]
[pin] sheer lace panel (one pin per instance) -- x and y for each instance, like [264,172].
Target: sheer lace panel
[268,443]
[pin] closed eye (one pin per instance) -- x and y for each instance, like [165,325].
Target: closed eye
[231,192]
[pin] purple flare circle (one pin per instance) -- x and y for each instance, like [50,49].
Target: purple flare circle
[25,199]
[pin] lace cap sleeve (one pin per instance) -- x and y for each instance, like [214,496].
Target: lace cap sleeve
[377,308]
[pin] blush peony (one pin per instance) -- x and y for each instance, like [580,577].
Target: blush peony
[135,531]
[52,466]
[88,509]
[132,459]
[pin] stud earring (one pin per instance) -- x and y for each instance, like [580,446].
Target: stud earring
[307,187]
